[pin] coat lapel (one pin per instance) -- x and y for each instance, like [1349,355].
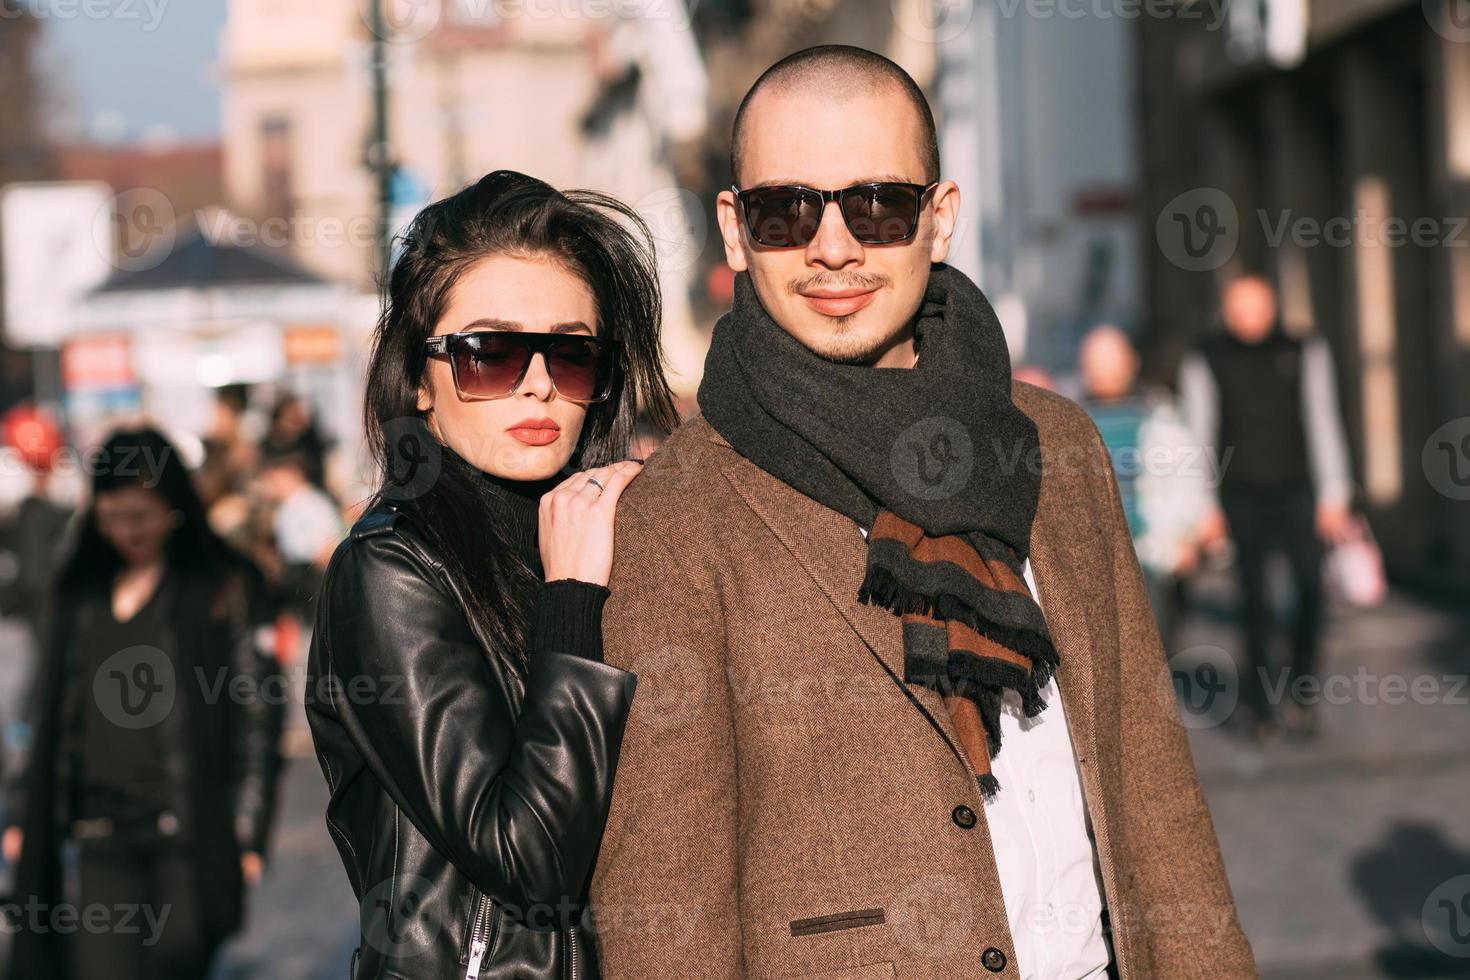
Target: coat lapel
[832,550]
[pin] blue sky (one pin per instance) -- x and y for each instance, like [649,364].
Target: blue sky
[128,69]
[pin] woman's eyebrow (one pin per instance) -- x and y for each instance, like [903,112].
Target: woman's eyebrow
[491,323]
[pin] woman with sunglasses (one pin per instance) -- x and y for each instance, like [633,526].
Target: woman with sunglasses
[466,725]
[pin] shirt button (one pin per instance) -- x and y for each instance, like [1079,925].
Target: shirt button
[1031,795]
[963,816]
[993,960]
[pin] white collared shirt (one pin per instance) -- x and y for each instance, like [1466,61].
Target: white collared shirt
[1043,842]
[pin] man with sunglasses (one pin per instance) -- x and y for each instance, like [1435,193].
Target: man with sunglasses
[903,711]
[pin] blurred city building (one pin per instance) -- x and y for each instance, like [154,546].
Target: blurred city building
[190,175]
[575,97]
[1326,144]
[1049,177]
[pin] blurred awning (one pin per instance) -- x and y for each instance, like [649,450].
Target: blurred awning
[210,281]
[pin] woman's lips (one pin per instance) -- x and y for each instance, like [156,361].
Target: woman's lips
[843,302]
[535,432]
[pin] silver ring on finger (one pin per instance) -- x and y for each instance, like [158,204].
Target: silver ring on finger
[600,488]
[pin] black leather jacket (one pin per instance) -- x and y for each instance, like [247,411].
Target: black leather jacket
[468,791]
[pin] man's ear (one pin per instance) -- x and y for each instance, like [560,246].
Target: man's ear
[727,211]
[946,219]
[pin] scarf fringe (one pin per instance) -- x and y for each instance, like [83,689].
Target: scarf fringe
[989,786]
[882,588]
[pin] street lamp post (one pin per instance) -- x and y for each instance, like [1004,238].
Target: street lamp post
[380,151]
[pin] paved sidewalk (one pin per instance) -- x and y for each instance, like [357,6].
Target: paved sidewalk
[1335,848]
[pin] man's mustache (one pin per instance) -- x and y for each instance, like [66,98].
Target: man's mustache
[847,280]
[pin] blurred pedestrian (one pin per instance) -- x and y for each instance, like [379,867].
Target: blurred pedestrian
[293,431]
[1161,475]
[1266,404]
[152,775]
[306,526]
[33,536]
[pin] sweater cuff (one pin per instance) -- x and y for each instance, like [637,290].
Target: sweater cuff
[569,618]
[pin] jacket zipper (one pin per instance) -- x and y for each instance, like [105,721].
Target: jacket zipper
[572,946]
[479,942]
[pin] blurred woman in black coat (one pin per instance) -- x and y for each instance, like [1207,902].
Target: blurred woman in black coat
[155,752]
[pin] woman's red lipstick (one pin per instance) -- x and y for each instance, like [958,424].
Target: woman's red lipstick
[535,432]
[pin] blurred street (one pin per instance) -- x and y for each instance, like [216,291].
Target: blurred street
[302,920]
[1332,848]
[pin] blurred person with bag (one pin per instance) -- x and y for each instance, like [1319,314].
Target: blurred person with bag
[151,783]
[1265,403]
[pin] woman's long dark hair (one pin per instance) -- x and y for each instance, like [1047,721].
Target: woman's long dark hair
[144,457]
[597,238]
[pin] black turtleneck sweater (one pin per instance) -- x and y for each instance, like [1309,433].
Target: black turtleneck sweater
[567,616]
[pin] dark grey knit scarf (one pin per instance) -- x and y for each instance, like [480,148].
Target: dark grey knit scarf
[937,463]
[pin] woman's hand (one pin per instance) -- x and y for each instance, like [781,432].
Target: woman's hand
[576,522]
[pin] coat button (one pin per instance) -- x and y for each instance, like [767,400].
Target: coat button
[963,816]
[993,959]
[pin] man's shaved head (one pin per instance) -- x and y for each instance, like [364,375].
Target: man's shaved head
[842,70]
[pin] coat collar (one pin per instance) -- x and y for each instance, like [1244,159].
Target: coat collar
[1073,576]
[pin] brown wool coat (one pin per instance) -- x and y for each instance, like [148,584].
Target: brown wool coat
[785,805]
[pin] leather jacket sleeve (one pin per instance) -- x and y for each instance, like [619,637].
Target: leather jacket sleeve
[513,789]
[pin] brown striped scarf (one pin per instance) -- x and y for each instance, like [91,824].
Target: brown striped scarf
[936,462]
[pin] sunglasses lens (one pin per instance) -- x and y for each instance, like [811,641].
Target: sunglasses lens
[782,217]
[486,365]
[579,369]
[881,214]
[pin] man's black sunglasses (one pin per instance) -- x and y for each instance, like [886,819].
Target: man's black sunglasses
[884,212]
[493,363]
